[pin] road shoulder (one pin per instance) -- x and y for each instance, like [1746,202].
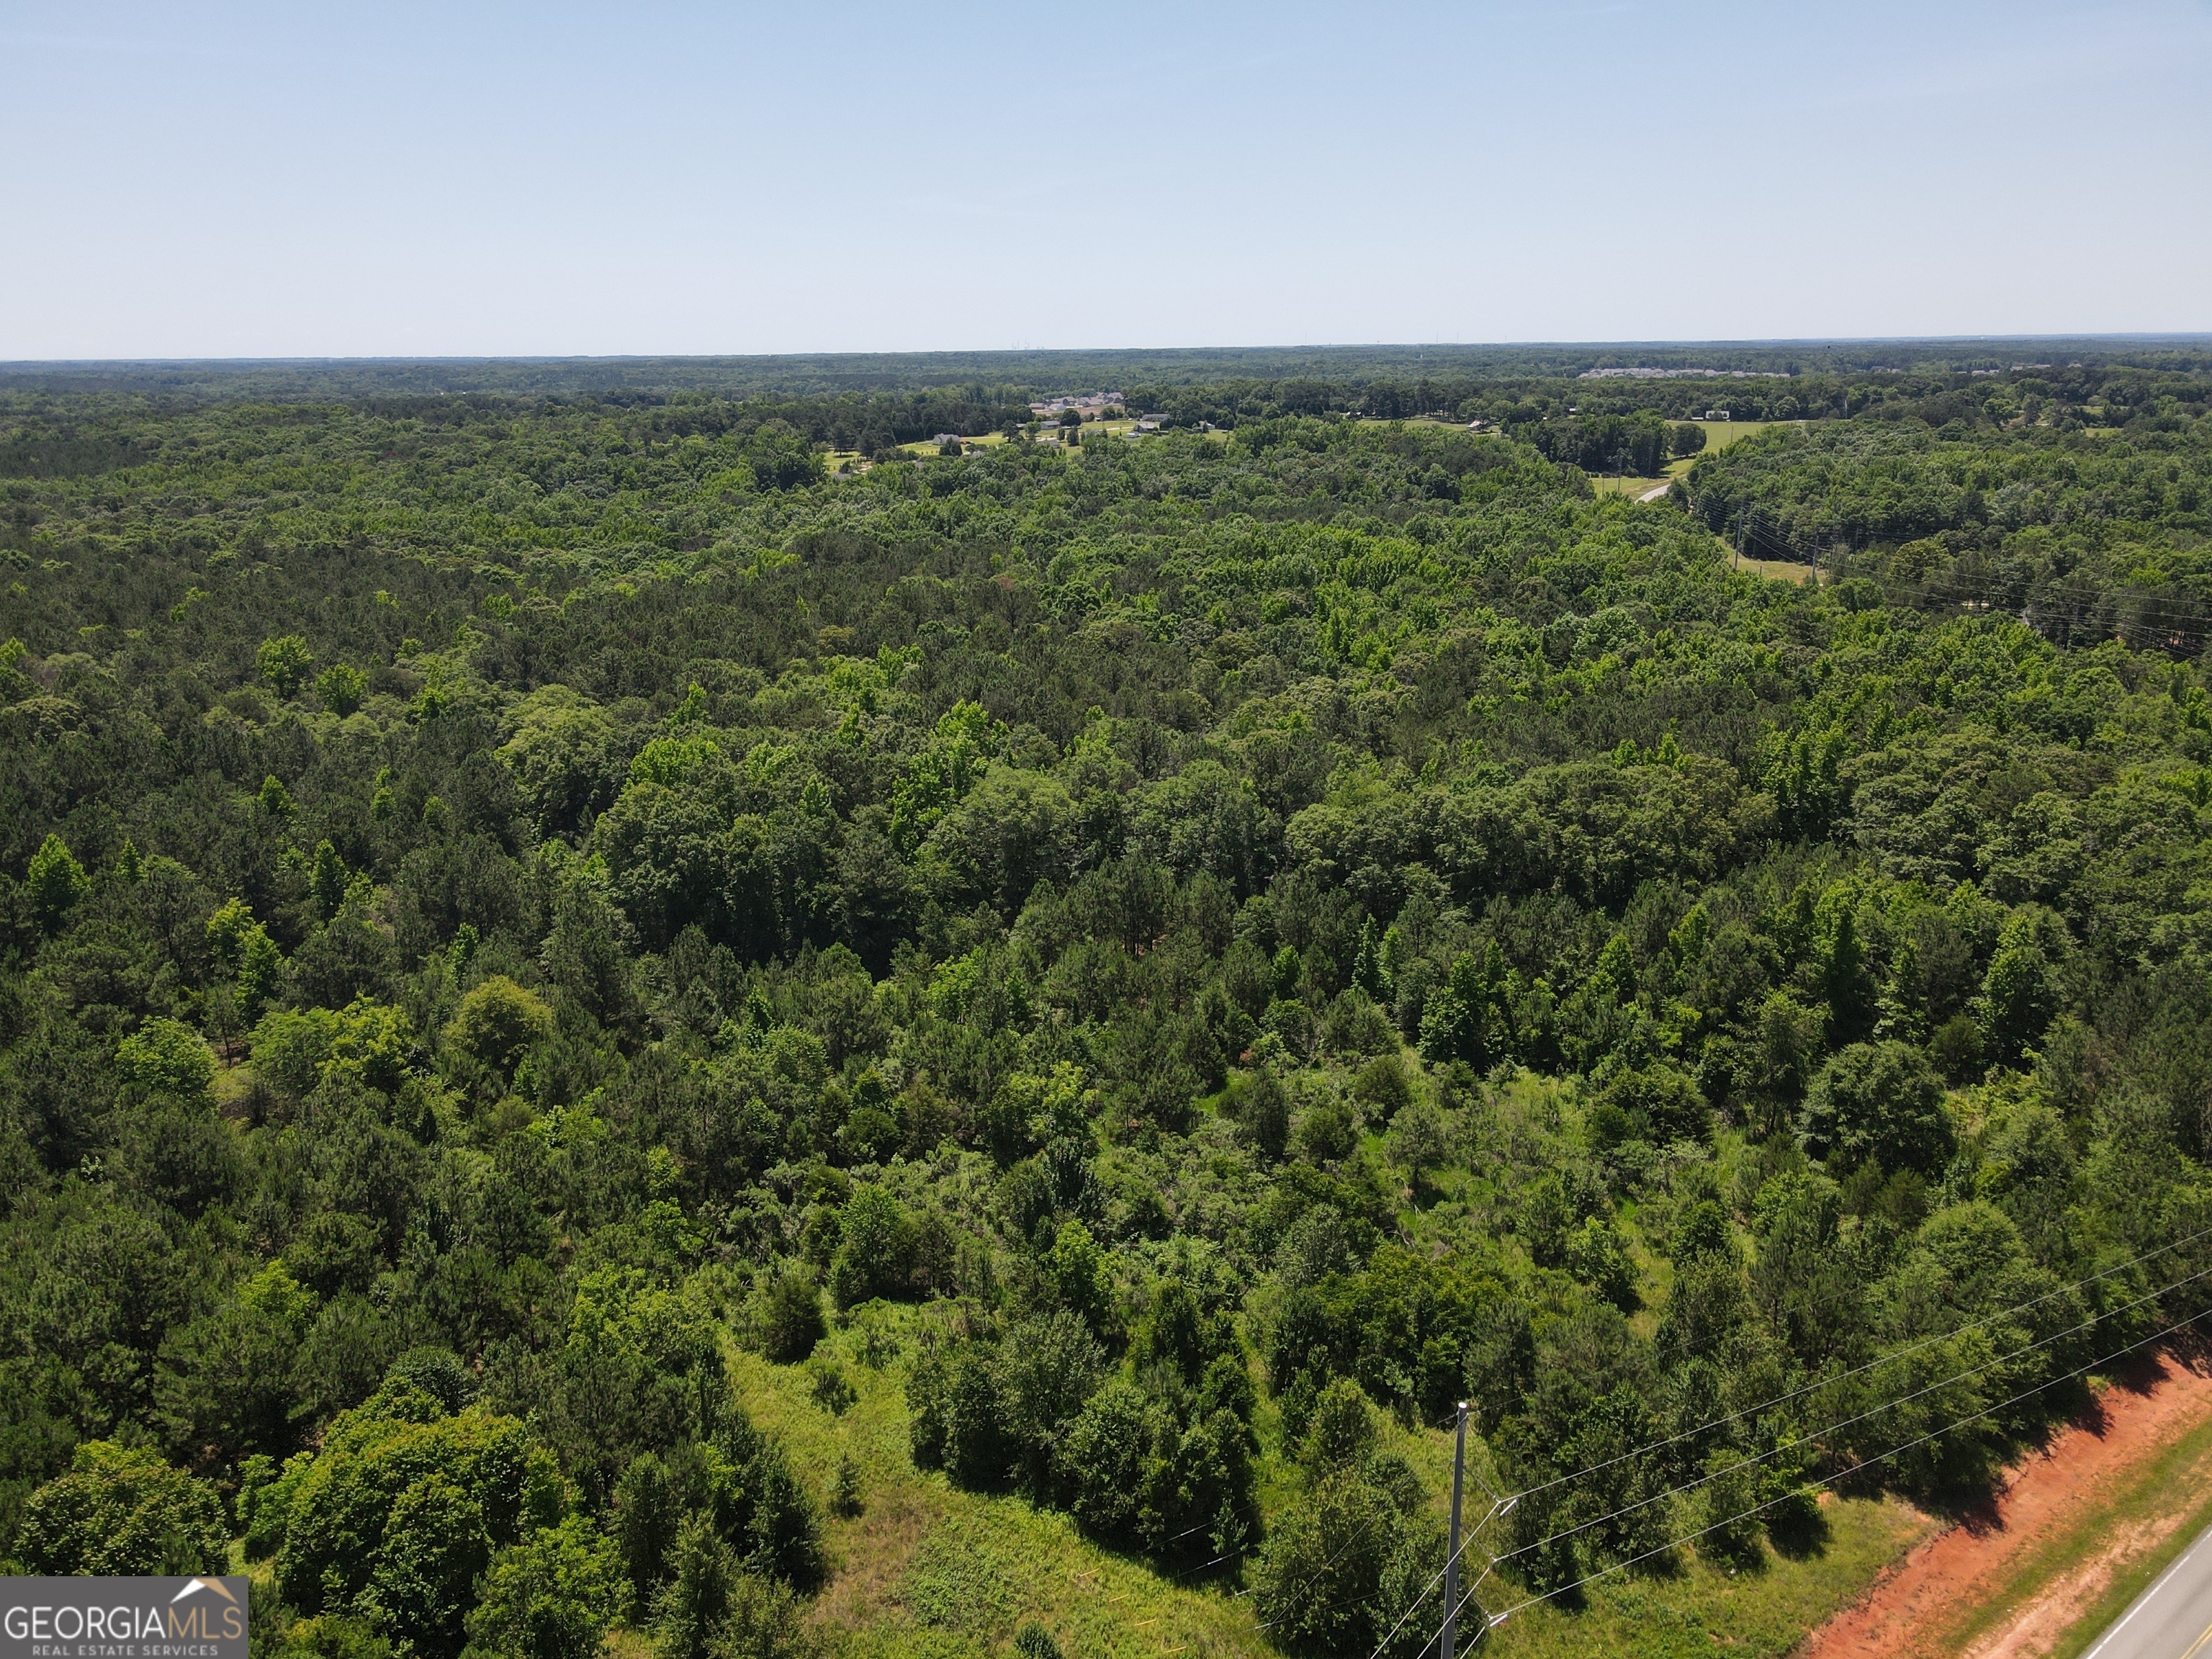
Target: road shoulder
[2078,1531]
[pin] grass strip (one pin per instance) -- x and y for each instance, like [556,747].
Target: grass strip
[2166,1501]
[2190,1470]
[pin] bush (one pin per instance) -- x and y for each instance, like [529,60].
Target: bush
[830,1391]
[122,1511]
[845,1487]
[958,1418]
[1265,1110]
[1419,1141]
[284,663]
[1383,1083]
[1956,1050]
[550,1597]
[1341,1431]
[342,687]
[1658,1105]
[496,1022]
[55,883]
[788,1315]
[1105,1454]
[875,1248]
[1327,1133]
[433,1548]
[476,1482]
[1881,1102]
[1726,1506]
[439,1373]
[1339,1569]
[167,1060]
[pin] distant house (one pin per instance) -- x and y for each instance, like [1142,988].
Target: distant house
[947,438]
[1095,407]
[1716,415]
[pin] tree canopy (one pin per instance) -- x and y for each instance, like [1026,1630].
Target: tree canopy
[1186,955]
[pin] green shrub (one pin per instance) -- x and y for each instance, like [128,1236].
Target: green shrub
[284,662]
[477,1482]
[551,1596]
[122,1511]
[788,1317]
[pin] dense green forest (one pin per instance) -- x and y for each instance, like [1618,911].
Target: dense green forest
[1179,958]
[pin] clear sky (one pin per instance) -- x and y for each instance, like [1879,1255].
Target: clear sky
[187,180]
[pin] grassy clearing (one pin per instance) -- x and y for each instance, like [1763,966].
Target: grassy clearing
[1119,428]
[1758,1614]
[1775,570]
[1719,434]
[928,1571]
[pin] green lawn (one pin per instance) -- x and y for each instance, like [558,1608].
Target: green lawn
[1719,434]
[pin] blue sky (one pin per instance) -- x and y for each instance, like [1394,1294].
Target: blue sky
[226,180]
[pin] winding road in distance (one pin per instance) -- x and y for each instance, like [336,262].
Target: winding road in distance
[2171,1619]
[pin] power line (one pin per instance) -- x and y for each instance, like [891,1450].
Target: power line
[1955,583]
[1876,1411]
[2151,626]
[1763,525]
[1758,525]
[1505,1505]
[1881,1359]
[1496,1620]
[1359,1533]
[1502,1505]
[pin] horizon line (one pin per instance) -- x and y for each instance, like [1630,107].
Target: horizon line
[1770,343]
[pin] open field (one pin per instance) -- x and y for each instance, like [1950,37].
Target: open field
[1719,434]
[1778,570]
[1119,428]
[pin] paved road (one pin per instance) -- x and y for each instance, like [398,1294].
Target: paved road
[2171,1619]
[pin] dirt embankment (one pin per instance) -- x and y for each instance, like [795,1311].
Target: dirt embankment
[2077,1501]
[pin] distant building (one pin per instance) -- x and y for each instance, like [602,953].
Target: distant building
[1096,406]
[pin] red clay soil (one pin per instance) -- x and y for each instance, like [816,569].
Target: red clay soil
[1943,1580]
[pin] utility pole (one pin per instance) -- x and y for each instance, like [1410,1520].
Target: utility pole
[1444,1648]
